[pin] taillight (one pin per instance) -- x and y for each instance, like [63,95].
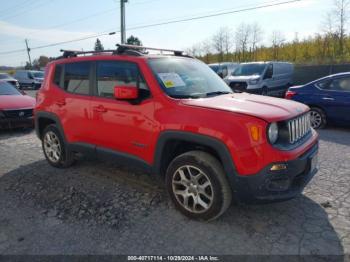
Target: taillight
[290,94]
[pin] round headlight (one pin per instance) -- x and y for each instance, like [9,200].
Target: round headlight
[273,133]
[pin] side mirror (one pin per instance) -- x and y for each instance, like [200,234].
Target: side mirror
[23,92]
[126,92]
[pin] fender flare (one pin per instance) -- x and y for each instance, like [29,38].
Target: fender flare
[214,143]
[51,116]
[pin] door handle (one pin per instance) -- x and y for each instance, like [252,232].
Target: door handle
[61,102]
[328,98]
[100,109]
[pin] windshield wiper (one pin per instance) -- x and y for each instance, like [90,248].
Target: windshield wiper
[216,93]
[187,96]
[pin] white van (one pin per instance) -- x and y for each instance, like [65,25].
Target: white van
[266,78]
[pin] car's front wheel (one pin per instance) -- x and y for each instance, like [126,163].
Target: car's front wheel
[318,118]
[55,149]
[198,186]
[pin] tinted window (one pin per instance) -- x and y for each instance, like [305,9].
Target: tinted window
[249,69]
[8,89]
[111,74]
[38,74]
[340,84]
[76,77]
[57,76]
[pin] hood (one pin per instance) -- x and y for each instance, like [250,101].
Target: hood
[268,108]
[16,102]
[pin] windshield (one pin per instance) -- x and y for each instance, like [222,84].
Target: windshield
[249,70]
[187,78]
[8,89]
[5,76]
[38,74]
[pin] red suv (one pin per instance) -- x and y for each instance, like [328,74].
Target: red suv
[173,116]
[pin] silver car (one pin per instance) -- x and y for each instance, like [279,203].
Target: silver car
[266,78]
[9,79]
[29,78]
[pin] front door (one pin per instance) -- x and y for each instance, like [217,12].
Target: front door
[122,126]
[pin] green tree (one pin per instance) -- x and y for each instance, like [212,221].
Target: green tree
[98,45]
[133,40]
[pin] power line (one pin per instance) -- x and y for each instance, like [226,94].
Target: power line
[21,12]
[160,24]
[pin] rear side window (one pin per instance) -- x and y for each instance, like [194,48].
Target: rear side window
[76,78]
[57,76]
[112,73]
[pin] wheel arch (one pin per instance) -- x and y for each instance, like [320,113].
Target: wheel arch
[43,119]
[173,143]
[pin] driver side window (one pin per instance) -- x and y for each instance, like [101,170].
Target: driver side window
[269,72]
[111,73]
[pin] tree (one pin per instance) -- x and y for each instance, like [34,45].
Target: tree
[98,45]
[40,62]
[133,40]
[219,43]
[256,38]
[206,50]
[277,39]
[243,35]
[341,17]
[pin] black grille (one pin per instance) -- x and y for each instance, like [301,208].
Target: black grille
[18,113]
[238,86]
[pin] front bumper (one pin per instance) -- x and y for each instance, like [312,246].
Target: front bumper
[273,186]
[9,123]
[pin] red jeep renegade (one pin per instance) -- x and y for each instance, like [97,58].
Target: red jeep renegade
[172,115]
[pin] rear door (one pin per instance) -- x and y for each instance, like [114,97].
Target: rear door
[72,99]
[335,98]
[122,126]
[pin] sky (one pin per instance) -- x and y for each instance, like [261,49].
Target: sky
[45,22]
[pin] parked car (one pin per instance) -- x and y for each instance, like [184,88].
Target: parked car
[29,78]
[266,78]
[9,79]
[16,109]
[328,98]
[223,69]
[174,117]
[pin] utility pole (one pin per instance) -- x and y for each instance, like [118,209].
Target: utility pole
[122,20]
[28,51]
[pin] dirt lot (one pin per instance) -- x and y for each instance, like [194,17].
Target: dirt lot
[102,208]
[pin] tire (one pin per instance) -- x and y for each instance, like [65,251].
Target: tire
[318,118]
[205,183]
[56,152]
[264,91]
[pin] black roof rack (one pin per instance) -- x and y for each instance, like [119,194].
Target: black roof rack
[133,50]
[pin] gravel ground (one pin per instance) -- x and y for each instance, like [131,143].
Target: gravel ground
[99,207]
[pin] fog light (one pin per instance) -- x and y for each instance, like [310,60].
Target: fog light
[278,167]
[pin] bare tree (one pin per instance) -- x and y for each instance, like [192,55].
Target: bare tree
[256,38]
[195,50]
[228,41]
[219,40]
[206,49]
[243,35]
[340,14]
[277,39]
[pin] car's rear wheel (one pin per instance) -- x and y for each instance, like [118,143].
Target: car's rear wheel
[318,118]
[198,186]
[55,149]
